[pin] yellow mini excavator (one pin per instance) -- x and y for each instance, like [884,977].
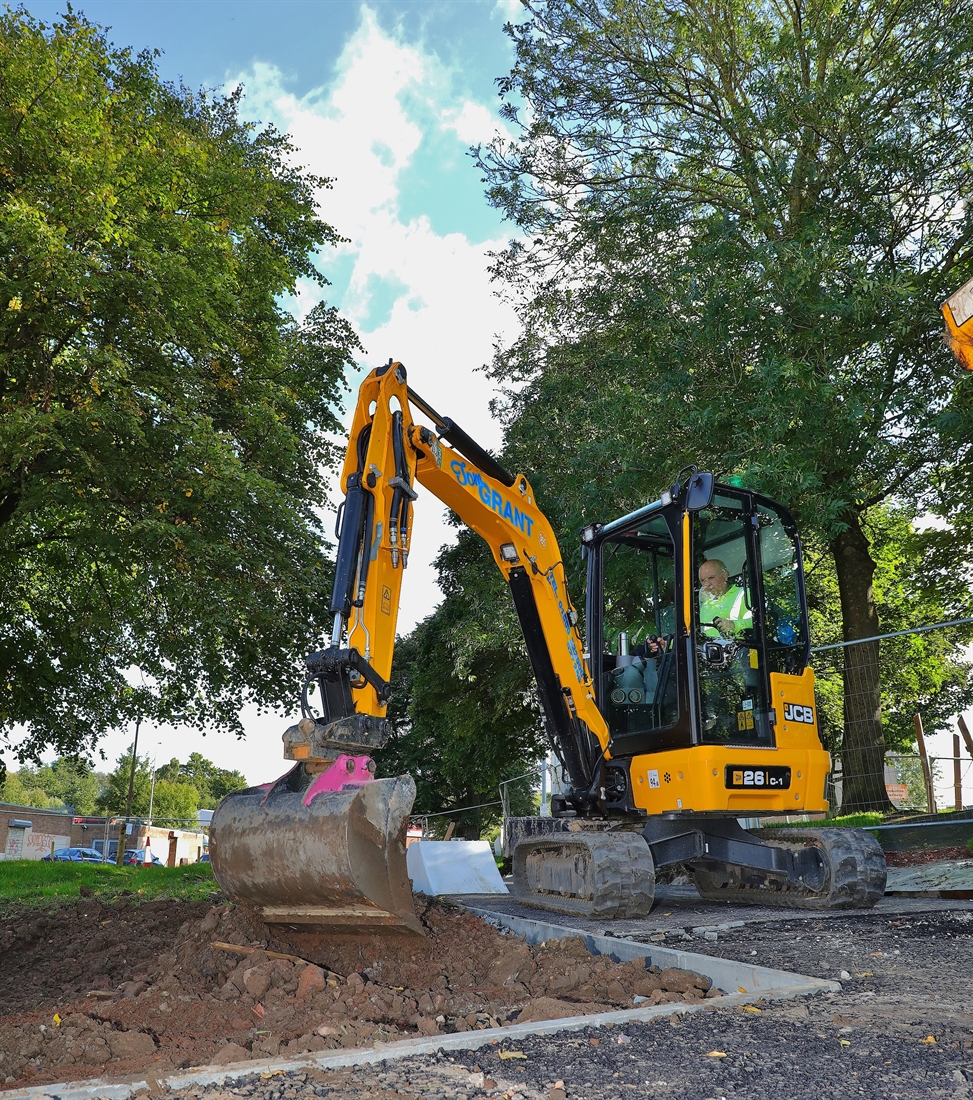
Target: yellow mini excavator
[688,705]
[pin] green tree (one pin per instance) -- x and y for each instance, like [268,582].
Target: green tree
[737,224]
[916,583]
[23,788]
[174,804]
[70,781]
[211,783]
[164,420]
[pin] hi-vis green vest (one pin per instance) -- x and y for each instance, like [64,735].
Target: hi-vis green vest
[731,605]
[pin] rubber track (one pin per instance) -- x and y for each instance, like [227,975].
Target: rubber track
[622,882]
[855,873]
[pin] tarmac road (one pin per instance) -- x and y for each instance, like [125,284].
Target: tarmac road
[902,1026]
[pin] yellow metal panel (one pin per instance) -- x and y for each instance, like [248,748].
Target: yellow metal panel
[958,314]
[695,779]
[792,698]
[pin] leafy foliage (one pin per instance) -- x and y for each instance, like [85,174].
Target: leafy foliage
[66,782]
[22,790]
[180,789]
[210,782]
[163,418]
[927,673]
[737,224]
[738,246]
[114,796]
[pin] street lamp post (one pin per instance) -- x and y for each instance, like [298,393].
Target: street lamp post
[123,830]
[152,788]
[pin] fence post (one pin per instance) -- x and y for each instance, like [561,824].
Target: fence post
[926,770]
[965,731]
[957,776]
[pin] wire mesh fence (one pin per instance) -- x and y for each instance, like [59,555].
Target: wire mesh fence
[880,702]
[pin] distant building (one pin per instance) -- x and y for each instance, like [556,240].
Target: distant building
[29,833]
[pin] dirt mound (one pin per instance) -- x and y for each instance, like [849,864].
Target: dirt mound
[115,989]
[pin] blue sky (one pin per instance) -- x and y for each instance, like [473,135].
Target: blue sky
[386,99]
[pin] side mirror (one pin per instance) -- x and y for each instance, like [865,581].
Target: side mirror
[699,494]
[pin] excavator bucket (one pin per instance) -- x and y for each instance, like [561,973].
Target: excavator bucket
[327,861]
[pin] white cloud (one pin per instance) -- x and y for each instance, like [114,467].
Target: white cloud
[473,123]
[361,131]
[366,130]
[509,10]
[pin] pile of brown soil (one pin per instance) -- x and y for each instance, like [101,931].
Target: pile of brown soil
[121,989]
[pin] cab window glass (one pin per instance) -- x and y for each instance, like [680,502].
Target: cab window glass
[638,686]
[786,627]
[732,684]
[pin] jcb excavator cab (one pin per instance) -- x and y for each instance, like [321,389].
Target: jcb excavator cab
[691,611]
[697,626]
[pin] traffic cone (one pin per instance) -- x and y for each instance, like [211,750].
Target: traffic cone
[147,853]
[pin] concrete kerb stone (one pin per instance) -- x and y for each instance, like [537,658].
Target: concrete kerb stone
[725,973]
[762,983]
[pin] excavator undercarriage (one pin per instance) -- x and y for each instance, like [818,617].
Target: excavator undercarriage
[687,705]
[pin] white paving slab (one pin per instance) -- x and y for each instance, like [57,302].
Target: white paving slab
[439,867]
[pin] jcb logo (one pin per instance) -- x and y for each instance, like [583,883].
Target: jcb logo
[751,777]
[795,713]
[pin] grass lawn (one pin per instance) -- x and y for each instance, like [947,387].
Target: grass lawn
[848,821]
[34,882]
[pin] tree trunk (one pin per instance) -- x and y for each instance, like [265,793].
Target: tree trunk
[863,744]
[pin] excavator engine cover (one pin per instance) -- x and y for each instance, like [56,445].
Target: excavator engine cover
[331,862]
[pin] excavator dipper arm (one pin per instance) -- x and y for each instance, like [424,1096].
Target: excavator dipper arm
[387,453]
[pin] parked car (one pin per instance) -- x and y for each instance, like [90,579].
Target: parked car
[135,857]
[75,855]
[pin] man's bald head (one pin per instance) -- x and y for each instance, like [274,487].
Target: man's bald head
[714,577]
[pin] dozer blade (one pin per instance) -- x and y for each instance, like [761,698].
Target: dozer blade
[335,864]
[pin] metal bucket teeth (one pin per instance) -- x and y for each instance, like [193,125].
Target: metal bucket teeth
[336,864]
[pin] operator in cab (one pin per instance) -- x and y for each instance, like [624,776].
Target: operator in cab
[723,610]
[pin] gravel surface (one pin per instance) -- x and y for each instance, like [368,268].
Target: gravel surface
[902,1026]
